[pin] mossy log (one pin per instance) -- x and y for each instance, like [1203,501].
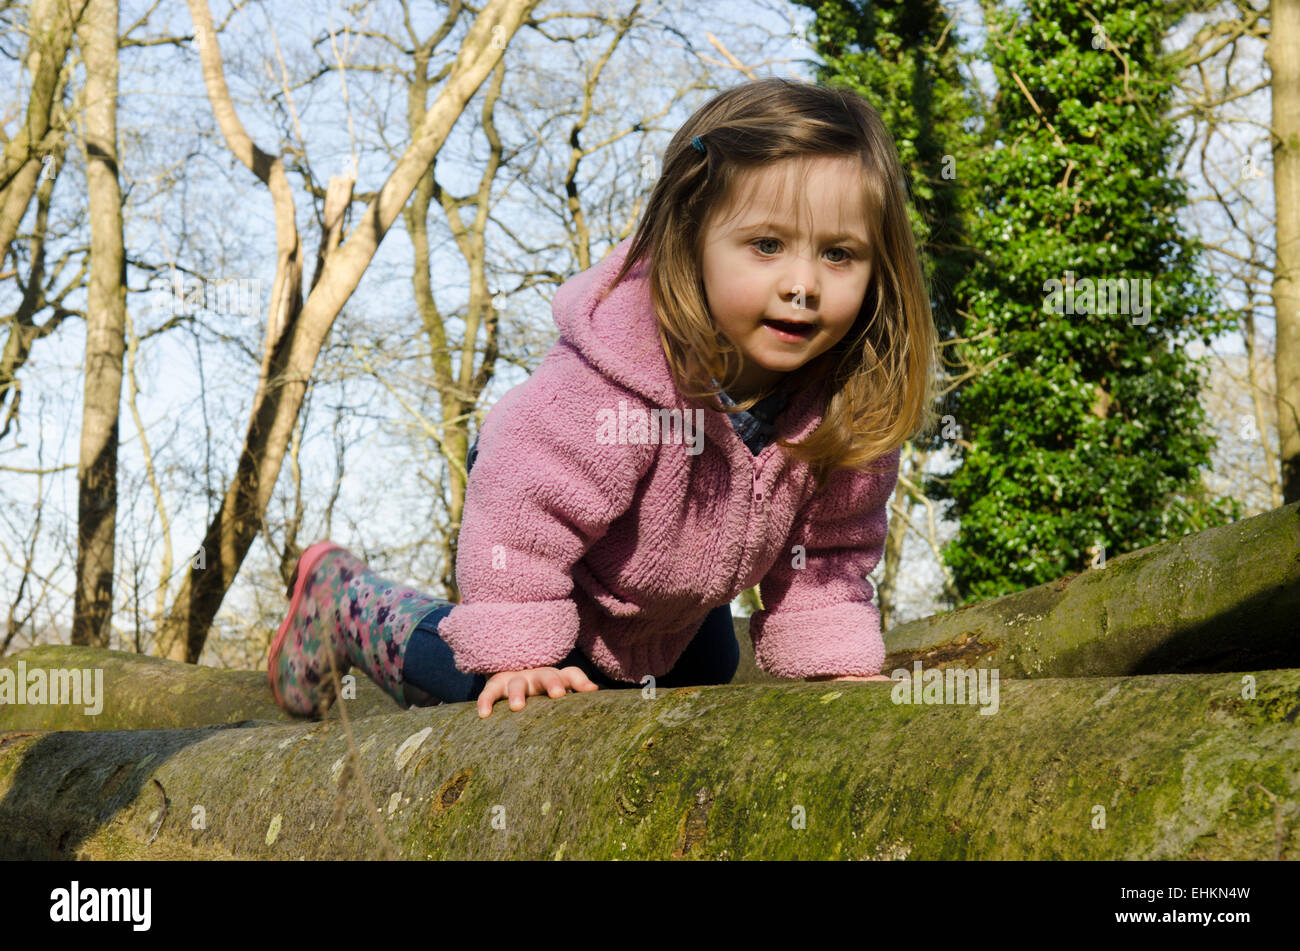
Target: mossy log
[1160,767]
[1227,598]
[142,692]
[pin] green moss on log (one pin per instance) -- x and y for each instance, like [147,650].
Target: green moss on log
[1223,599]
[142,692]
[1161,767]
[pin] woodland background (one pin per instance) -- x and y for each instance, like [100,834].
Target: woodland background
[265,267]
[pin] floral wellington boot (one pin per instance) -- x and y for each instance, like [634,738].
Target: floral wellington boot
[339,606]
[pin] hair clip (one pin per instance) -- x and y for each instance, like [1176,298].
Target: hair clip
[697,143]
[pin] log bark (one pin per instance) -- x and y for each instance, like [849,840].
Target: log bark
[1227,598]
[1162,767]
[147,693]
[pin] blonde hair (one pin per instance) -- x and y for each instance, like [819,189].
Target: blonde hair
[878,380]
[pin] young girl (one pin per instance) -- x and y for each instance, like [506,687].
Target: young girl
[723,407]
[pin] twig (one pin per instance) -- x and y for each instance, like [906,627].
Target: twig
[356,761]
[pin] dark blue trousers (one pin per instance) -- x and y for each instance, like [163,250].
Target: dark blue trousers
[711,657]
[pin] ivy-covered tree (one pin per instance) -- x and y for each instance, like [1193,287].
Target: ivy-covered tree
[902,57]
[1086,438]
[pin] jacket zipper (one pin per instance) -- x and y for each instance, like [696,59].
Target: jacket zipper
[756,507]
[757,501]
[758,489]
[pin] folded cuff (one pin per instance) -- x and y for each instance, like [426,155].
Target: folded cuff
[490,637]
[835,640]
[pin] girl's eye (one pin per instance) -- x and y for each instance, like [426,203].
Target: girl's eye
[760,242]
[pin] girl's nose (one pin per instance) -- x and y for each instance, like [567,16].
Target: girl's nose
[800,292]
[800,279]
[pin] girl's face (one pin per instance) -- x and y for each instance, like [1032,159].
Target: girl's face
[803,266]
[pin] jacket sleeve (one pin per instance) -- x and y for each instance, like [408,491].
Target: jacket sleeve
[817,615]
[543,490]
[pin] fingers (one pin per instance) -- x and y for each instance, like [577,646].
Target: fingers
[577,679]
[552,681]
[491,692]
[517,690]
[499,686]
[509,685]
[517,686]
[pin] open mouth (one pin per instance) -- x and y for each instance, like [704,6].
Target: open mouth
[790,329]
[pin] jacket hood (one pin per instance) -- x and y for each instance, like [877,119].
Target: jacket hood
[619,335]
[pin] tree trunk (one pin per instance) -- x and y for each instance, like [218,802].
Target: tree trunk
[1165,767]
[50,24]
[294,347]
[459,386]
[105,342]
[1223,599]
[1283,55]
[147,693]
[895,539]
[33,160]
[24,331]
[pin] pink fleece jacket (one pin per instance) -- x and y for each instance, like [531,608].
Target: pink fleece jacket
[582,528]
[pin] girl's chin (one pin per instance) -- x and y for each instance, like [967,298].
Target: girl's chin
[779,364]
[772,373]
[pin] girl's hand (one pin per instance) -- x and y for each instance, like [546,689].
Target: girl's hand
[845,677]
[517,684]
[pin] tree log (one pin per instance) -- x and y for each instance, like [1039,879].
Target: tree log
[148,693]
[1161,767]
[1227,598]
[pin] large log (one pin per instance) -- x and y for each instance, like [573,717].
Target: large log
[1227,598]
[1161,767]
[142,692]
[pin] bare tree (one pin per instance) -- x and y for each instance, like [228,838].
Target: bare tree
[1284,60]
[29,534]
[97,35]
[31,164]
[459,388]
[296,330]
[50,25]
[1220,82]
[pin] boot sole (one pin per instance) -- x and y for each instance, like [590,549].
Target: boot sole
[307,562]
